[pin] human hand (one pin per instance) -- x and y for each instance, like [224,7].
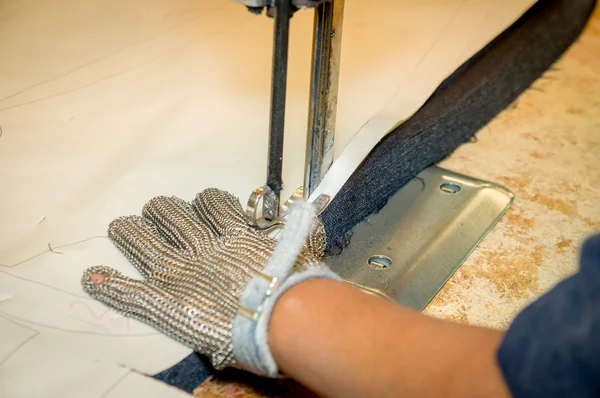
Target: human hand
[211,278]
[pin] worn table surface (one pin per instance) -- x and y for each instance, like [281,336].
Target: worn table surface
[545,148]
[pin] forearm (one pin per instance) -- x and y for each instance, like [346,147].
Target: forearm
[341,342]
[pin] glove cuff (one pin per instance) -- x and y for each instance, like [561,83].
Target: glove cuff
[250,333]
[250,325]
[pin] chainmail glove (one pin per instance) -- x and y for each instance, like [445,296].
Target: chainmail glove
[210,278]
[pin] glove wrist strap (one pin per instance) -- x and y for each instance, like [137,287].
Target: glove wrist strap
[250,326]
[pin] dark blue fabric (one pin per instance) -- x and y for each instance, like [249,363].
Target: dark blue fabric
[464,103]
[188,374]
[552,349]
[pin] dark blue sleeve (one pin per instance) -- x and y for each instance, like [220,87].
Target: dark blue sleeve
[552,349]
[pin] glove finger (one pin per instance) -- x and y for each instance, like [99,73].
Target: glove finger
[179,318]
[221,211]
[108,286]
[140,242]
[176,221]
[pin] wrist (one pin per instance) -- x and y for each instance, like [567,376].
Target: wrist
[294,316]
[250,335]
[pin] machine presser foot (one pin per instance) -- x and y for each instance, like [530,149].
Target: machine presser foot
[253,210]
[261,222]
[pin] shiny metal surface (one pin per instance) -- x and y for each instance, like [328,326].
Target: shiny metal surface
[322,110]
[327,42]
[411,248]
[270,202]
[259,221]
[255,216]
[285,207]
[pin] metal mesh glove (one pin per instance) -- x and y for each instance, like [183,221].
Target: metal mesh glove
[198,260]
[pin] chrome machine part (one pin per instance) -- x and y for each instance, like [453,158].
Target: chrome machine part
[253,207]
[322,109]
[411,248]
[327,42]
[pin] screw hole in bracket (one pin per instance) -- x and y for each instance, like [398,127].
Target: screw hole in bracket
[379,262]
[450,188]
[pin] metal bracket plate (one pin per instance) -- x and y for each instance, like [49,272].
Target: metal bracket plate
[410,249]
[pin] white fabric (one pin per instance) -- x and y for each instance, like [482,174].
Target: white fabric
[104,104]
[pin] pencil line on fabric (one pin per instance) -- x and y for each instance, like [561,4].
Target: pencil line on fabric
[53,250]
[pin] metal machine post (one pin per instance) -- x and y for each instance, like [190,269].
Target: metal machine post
[327,42]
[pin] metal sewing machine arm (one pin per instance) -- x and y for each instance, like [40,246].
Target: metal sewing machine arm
[327,35]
